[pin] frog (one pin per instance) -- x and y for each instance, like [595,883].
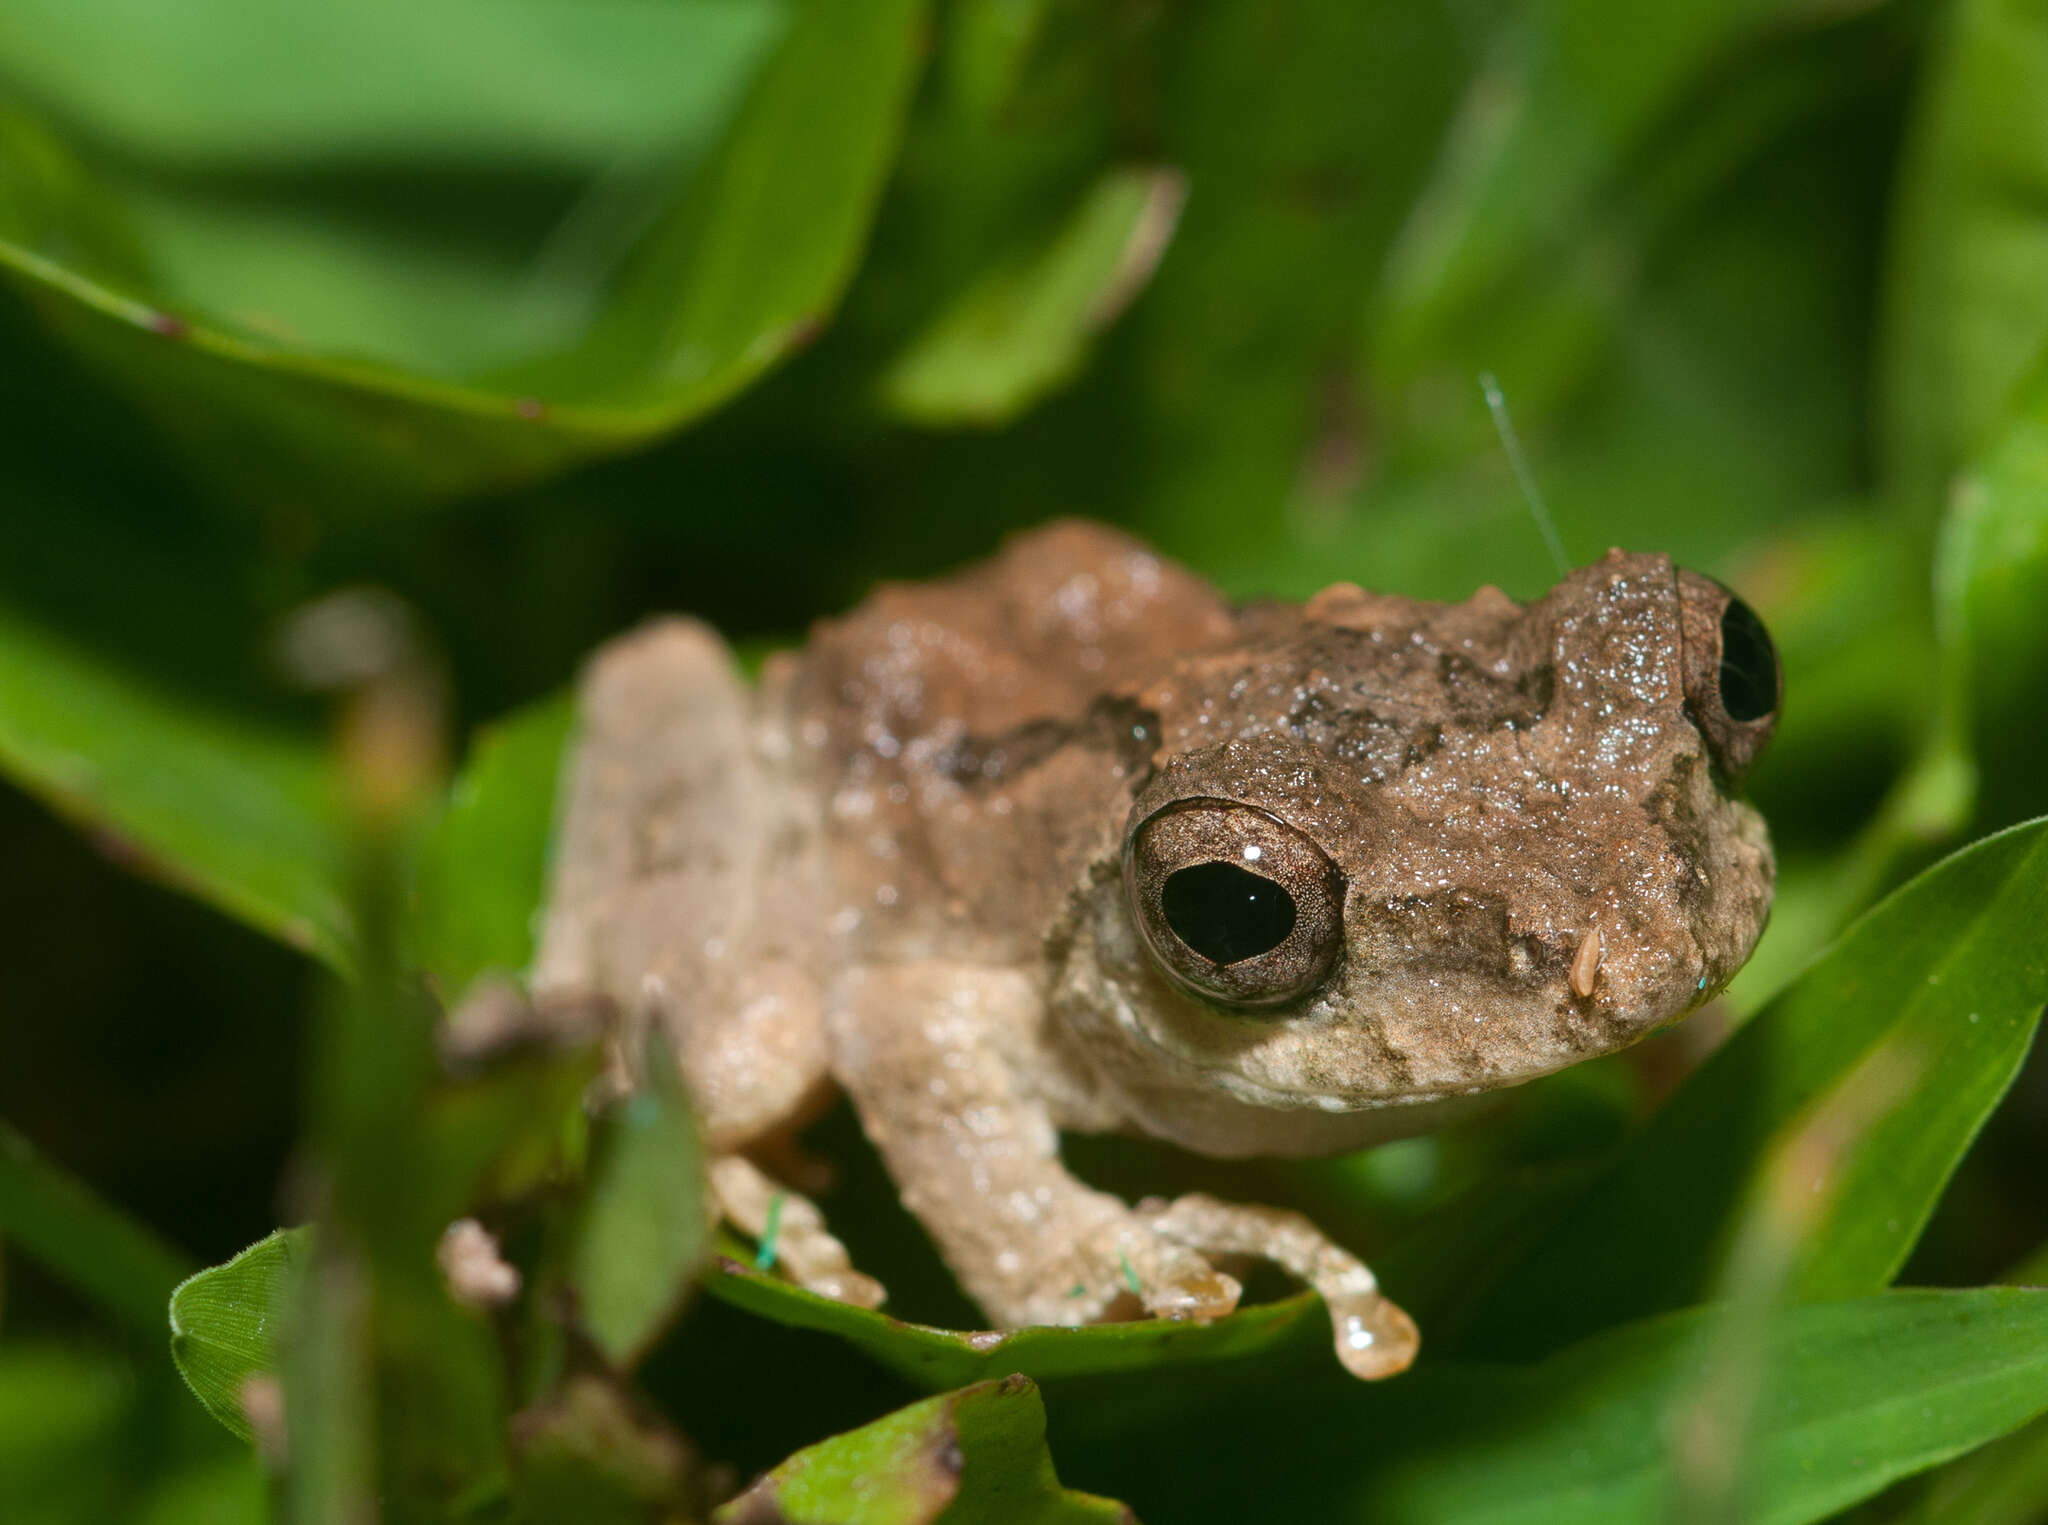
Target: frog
[1067,842]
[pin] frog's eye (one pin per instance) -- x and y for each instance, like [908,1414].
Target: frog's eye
[1234,904]
[1733,683]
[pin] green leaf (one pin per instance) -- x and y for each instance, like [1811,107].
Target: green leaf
[581,86]
[1965,314]
[972,1457]
[330,1384]
[657,210]
[224,1322]
[1991,575]
[92,1244]
[483,868]
[643,1230]
[1948,976]
[1853,1395]
[1023,329]
[2004,1483]
[242,816]
[937,1358]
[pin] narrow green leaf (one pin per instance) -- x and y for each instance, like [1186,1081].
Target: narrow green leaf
[1950,974]
[1854,1396]
[937,1358]
[224,1322]
[1023,329]
[394,1391]
[244,817]
[330,1393]
[972,1457]
[482,870]
[657,214]
[1965,313]
[643,1230]
[50,1214]
[2004,1483]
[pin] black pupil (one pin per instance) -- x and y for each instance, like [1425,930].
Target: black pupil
[1226,913]
[1749,664]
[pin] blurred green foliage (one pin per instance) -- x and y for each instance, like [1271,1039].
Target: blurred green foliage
[542,316]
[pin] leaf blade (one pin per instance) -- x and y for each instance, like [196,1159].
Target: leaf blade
[1855,1395]
[244,817]
[91,1243]
[644,331]
[938,1358]
[972,1457]
[224,1322]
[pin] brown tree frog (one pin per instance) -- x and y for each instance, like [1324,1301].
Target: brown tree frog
[1068,841]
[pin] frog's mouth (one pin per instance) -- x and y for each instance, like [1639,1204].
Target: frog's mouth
[1376,1087]
[1283,1098]
[1318,1063]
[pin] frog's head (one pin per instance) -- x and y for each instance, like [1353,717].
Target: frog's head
[1393,853]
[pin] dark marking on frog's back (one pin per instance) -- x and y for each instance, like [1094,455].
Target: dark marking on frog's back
[1114,724]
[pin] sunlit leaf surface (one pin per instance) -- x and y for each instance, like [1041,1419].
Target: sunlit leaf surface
[973,1457]
[236,212]
[225,1323]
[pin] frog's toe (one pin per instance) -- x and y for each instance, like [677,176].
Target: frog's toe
[1375,1338]
[1198,1292]
[847,1285]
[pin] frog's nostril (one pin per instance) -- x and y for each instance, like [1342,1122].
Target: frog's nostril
[1226,913]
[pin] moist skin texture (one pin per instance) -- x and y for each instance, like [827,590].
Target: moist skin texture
[922,862]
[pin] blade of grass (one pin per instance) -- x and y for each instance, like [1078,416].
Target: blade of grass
[95,1246]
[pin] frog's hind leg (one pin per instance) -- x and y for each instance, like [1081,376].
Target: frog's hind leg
[681,892]
[1374,1338]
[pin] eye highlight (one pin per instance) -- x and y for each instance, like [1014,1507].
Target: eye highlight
[1233,903]
[1733,683]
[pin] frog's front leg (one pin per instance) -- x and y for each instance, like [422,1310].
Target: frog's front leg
[1374,1337]
[940,1060]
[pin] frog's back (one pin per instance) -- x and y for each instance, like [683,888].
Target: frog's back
[977,738]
